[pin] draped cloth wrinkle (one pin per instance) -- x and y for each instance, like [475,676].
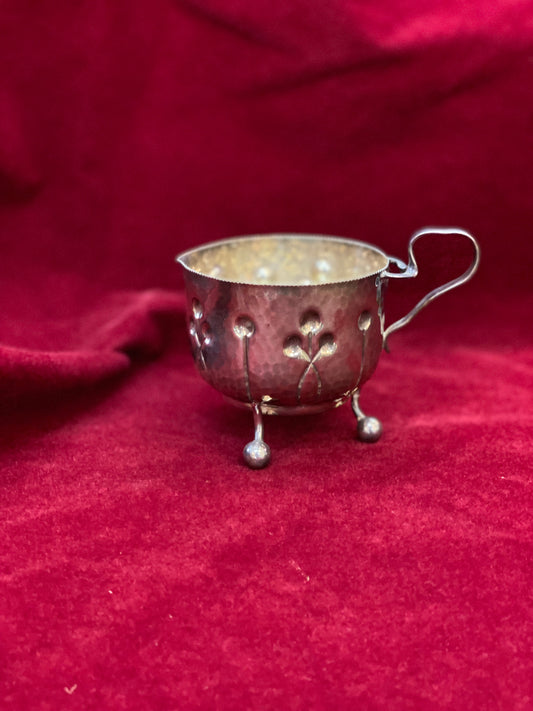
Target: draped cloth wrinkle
[142,565]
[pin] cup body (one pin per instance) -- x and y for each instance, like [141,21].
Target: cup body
[292,347]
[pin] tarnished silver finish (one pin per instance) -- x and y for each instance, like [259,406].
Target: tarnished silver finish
[289,324]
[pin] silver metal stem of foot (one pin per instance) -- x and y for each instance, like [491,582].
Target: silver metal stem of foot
[369,429]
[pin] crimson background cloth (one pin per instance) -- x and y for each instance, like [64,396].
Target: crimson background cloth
[142,565]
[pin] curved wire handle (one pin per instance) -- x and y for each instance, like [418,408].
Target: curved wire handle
[411,270]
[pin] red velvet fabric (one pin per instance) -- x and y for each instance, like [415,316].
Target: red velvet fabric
[142,565]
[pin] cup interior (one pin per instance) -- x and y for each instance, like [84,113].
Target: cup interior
[285,260]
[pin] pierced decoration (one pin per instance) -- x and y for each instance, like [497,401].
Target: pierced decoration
[244,329]
[200,333]
[310,349]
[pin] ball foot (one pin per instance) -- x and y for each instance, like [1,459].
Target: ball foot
[369,429]
[257,454]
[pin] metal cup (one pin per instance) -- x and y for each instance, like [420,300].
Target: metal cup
[292,323]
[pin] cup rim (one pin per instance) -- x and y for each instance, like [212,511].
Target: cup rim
[280,236]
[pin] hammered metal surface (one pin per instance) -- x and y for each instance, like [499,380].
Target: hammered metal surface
[292,323]
[286,345]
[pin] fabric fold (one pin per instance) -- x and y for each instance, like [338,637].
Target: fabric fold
[124,329]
